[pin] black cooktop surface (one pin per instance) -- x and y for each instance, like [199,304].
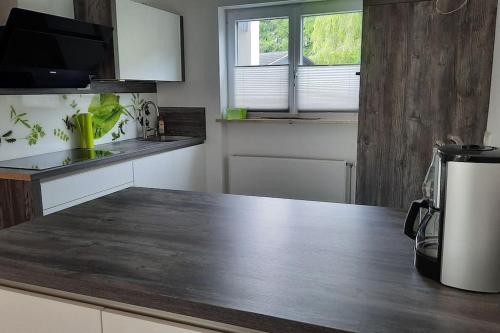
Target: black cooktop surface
[57,159]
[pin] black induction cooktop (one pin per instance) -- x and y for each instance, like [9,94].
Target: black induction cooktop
[57,159]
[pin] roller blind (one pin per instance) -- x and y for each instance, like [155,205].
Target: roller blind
[261,88]
[328,88]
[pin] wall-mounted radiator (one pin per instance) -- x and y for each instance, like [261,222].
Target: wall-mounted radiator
[292,178]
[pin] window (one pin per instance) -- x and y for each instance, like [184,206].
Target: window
[295,58]
[262,69]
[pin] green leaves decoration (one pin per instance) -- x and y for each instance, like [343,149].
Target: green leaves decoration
[107,111]
[36,131]
[7,137]
[18,118]
[61,135]
[120,131]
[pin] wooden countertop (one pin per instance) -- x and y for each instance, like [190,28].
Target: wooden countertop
[267,264]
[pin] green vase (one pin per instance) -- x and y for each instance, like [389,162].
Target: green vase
[84,123]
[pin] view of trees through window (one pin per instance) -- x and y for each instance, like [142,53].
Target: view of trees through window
[333,39]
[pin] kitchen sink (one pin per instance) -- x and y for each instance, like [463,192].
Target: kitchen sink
[167,138]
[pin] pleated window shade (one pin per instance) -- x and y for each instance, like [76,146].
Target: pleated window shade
[261,88]
[328,88]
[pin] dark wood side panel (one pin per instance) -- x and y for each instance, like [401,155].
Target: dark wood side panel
[98,12]
[444,5]
[96,87]
[5,7]
[447,75]
[185,121]
[387,2]
[384,67]
[20,201]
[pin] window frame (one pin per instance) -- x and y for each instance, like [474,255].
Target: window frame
[295,14]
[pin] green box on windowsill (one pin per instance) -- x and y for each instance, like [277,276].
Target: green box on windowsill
[236,114]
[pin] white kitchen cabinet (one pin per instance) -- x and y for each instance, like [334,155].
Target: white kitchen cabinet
[59,193]
[182,169]
[23,312]
[148,43]
[121,322]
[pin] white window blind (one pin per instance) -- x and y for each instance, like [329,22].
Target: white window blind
[261,88]
[328,88]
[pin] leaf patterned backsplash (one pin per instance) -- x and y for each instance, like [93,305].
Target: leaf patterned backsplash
[32,125]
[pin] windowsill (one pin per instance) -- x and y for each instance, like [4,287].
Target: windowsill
[303,119]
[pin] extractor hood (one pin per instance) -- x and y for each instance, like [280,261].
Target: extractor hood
[45,51]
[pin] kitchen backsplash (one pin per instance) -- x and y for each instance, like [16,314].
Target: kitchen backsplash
[32,125]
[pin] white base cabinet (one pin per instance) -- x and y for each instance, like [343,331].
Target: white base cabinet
[182,169]
[70,190]
[23,312]
[27,312]
[121,322]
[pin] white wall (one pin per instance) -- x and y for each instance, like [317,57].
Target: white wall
[493,133]
[202,88]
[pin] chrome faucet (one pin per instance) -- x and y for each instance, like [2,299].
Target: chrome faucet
[144,121]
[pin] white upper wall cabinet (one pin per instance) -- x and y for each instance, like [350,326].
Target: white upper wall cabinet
[148,43]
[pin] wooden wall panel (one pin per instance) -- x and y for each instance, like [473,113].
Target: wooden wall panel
[185,121]
[446,78]
[20,201]
[383,81]
[98,12]
[5,7]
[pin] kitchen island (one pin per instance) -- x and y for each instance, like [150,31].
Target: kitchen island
[263,264]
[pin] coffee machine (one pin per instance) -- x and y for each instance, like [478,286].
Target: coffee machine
[456,225]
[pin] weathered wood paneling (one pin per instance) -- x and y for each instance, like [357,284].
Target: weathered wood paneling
[98,12]
[383,77]
[185,121]
[444,5]
[96,87]
[19,202]
[442,88]
[386,2]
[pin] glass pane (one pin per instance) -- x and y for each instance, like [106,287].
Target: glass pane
[261,88]
[262,42]
[328,88]
[333,39]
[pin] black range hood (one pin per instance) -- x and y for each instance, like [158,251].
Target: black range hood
[45,51]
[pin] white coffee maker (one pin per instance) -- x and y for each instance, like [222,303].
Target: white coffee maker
[457,224]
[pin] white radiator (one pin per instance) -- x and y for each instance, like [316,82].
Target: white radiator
[291,178]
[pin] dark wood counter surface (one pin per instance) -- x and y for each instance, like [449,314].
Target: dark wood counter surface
[268,264]
[128,150]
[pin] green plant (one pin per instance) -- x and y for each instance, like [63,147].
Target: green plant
[273,35]
[332,39]
[137,103]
